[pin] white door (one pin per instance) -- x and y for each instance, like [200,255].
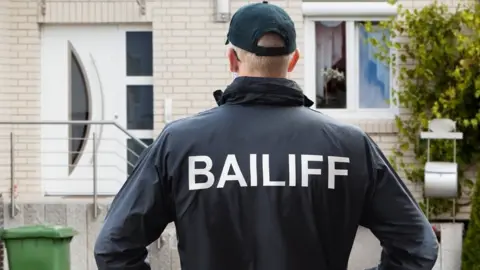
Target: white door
[85,77]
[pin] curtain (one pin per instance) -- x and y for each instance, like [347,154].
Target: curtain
[374,74]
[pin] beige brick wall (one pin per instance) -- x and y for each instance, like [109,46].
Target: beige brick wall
[189,64]
[4,95]
[20,92]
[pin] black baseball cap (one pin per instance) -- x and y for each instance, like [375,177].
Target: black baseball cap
[253,21]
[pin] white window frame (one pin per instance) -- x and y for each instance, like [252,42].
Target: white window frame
[350,13]
[139,80]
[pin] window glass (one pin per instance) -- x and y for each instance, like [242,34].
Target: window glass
[331,90]
[140,107]
[374,74]
[139,53]
[79,110]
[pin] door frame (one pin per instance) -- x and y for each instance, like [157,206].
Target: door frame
[65,187]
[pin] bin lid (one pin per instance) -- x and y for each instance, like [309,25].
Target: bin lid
[38,231]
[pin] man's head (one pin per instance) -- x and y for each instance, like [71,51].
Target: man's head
[262,41]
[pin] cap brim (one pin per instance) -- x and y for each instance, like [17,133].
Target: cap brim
[226,42]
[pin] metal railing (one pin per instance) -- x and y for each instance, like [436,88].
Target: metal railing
[105,155]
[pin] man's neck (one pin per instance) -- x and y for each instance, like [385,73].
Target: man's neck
[260,75]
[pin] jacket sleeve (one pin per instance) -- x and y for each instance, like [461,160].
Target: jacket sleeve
[138,215]
[394,217]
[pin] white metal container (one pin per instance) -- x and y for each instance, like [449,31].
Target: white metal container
[441,180]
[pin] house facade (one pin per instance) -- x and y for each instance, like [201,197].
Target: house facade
[131,66]
[127,67]
[141,64]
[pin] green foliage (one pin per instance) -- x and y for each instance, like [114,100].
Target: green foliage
[471,244]
[438,73]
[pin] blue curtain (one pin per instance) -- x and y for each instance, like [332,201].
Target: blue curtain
[374,74]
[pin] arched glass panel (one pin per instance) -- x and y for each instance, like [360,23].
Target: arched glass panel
[79,109]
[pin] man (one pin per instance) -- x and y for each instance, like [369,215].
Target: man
[262,182]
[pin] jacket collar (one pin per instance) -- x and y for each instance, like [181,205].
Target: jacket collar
[262,91]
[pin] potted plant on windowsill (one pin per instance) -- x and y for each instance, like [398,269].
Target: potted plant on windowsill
[330,74]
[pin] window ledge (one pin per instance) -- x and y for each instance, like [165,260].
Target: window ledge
[376,126]
[349,9]
[380,123]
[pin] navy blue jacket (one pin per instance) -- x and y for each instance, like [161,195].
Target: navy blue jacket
[263,182]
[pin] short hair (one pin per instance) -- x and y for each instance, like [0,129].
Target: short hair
[265,65]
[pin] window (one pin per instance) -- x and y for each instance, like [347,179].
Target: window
[331,59]
[140,107]
[342,75]
[374,75]
[139,92]
[134,150]
[79,109]
[139,53]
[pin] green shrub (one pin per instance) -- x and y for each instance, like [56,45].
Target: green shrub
[438,73]
[471,244]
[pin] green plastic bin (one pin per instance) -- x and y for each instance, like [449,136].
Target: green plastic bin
[38,247]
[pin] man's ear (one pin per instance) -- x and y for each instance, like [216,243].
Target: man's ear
[232,60]
[294,60]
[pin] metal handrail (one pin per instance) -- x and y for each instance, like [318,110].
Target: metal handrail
[130,151]
[74,122]
[96,209]
[13,206]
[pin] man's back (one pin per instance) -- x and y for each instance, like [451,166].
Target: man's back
[270,205]
[267,184]
[261,183]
